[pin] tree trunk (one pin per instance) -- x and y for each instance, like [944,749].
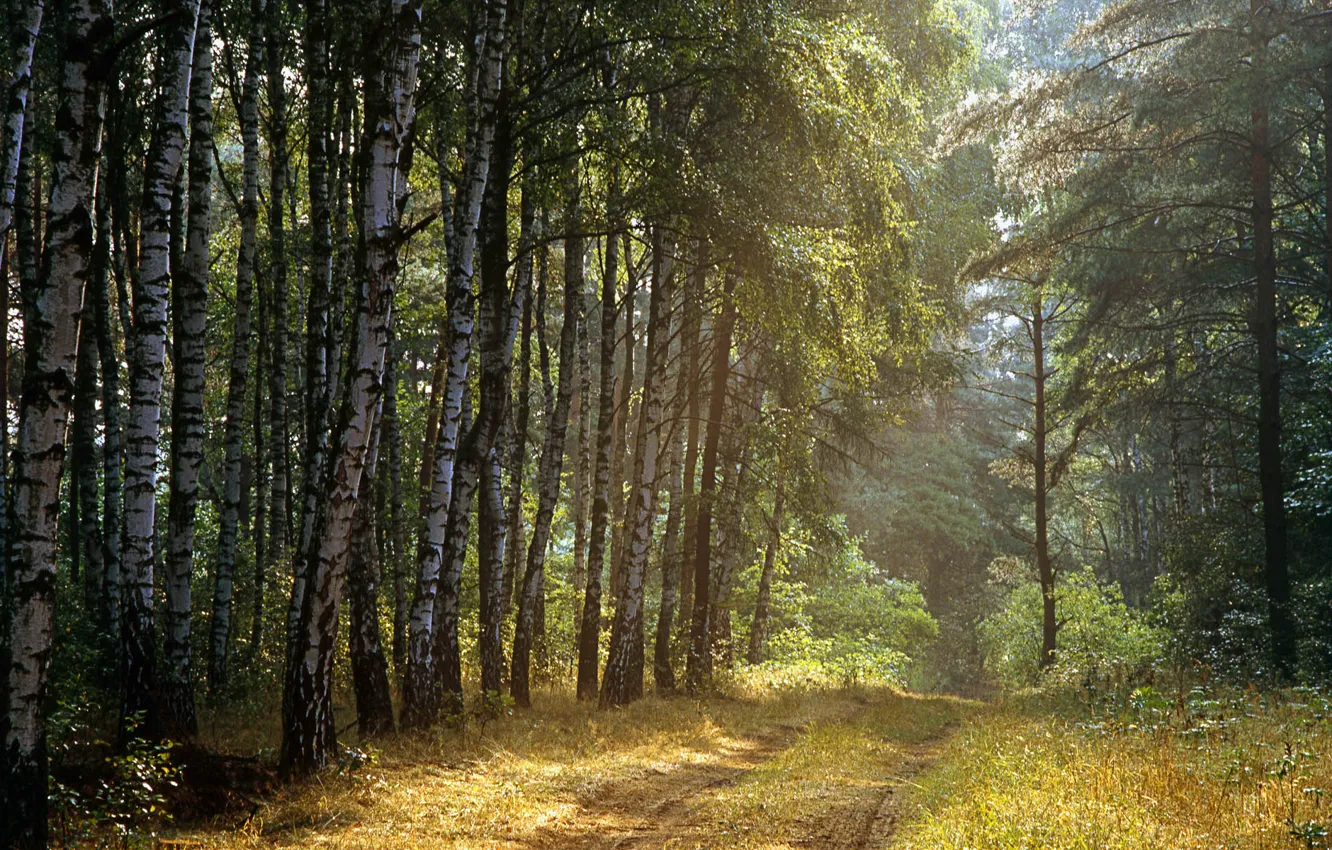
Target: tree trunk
[318,387]
[552,450]
[693,320]
[624,413]
[22,38]
[499,325]
[758,629]
[445,652]
[1044,568]
[1264,325]
[83,461]
[189,315]
[308,734]
[51,332]
[517,461]
[240,362]
[374,705]
[623,680]
[397,518]
[108,616]
[589,630]
[730,542]
[698,669]
[147,356]
[467,212]
[663,673]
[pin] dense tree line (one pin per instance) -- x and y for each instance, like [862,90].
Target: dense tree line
[326,304]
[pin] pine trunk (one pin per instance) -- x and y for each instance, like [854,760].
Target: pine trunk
[1276,571]
[693,320]
[189,316]
[758,629]
[1044,567]
[108,616]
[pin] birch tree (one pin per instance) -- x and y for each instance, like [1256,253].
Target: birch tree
[51,331]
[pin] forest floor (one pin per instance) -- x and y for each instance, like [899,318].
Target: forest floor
[851,769]
[819,769]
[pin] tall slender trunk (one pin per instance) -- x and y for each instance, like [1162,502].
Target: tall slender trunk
[108,616]
[692,326]
[582,469]
[87,532]
[698,669]
[514,551]
[623,680]
[552,450]
[24,24]
[467,212]
[663,673]
[51,331]
[258,526]
[1264,325]
[147,356]
[730,542]
[625,413]
[589,630]
[445,651]
[499,325]
[308,733]
[758,629]
[189,315]
[276,553]
[397,517]
[370,683]
[1044,567]
[318,387]
[234,426]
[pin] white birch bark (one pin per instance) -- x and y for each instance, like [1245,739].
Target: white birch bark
[233,428]
[51,331]
[467,213]
[308,731]
[147,356]
[189,315]
[25,23]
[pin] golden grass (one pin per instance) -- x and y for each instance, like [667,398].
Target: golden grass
[536,778]
[1245,772]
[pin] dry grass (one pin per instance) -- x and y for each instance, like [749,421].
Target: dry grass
[1246,771]
[536,778]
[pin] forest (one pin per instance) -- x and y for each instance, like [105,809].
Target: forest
[686,423]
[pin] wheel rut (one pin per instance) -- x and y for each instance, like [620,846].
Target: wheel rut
[663,809]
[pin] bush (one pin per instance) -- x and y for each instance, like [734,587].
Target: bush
[1098,634]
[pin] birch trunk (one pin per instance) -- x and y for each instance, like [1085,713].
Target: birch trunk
[589,630]
[623,680]
[318,387]
[223,590]
[83,461]
[517,460]
[24,24]
[189,314]
[467,212]
[51,331]
[308,731]
[397,520]
[698,668]
[663,673]
[374,706]
[147,356]
[552,453]
[108,616]
[499,326]
[693,320]
[446,655]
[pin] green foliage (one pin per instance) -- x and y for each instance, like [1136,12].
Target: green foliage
[1098,636]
